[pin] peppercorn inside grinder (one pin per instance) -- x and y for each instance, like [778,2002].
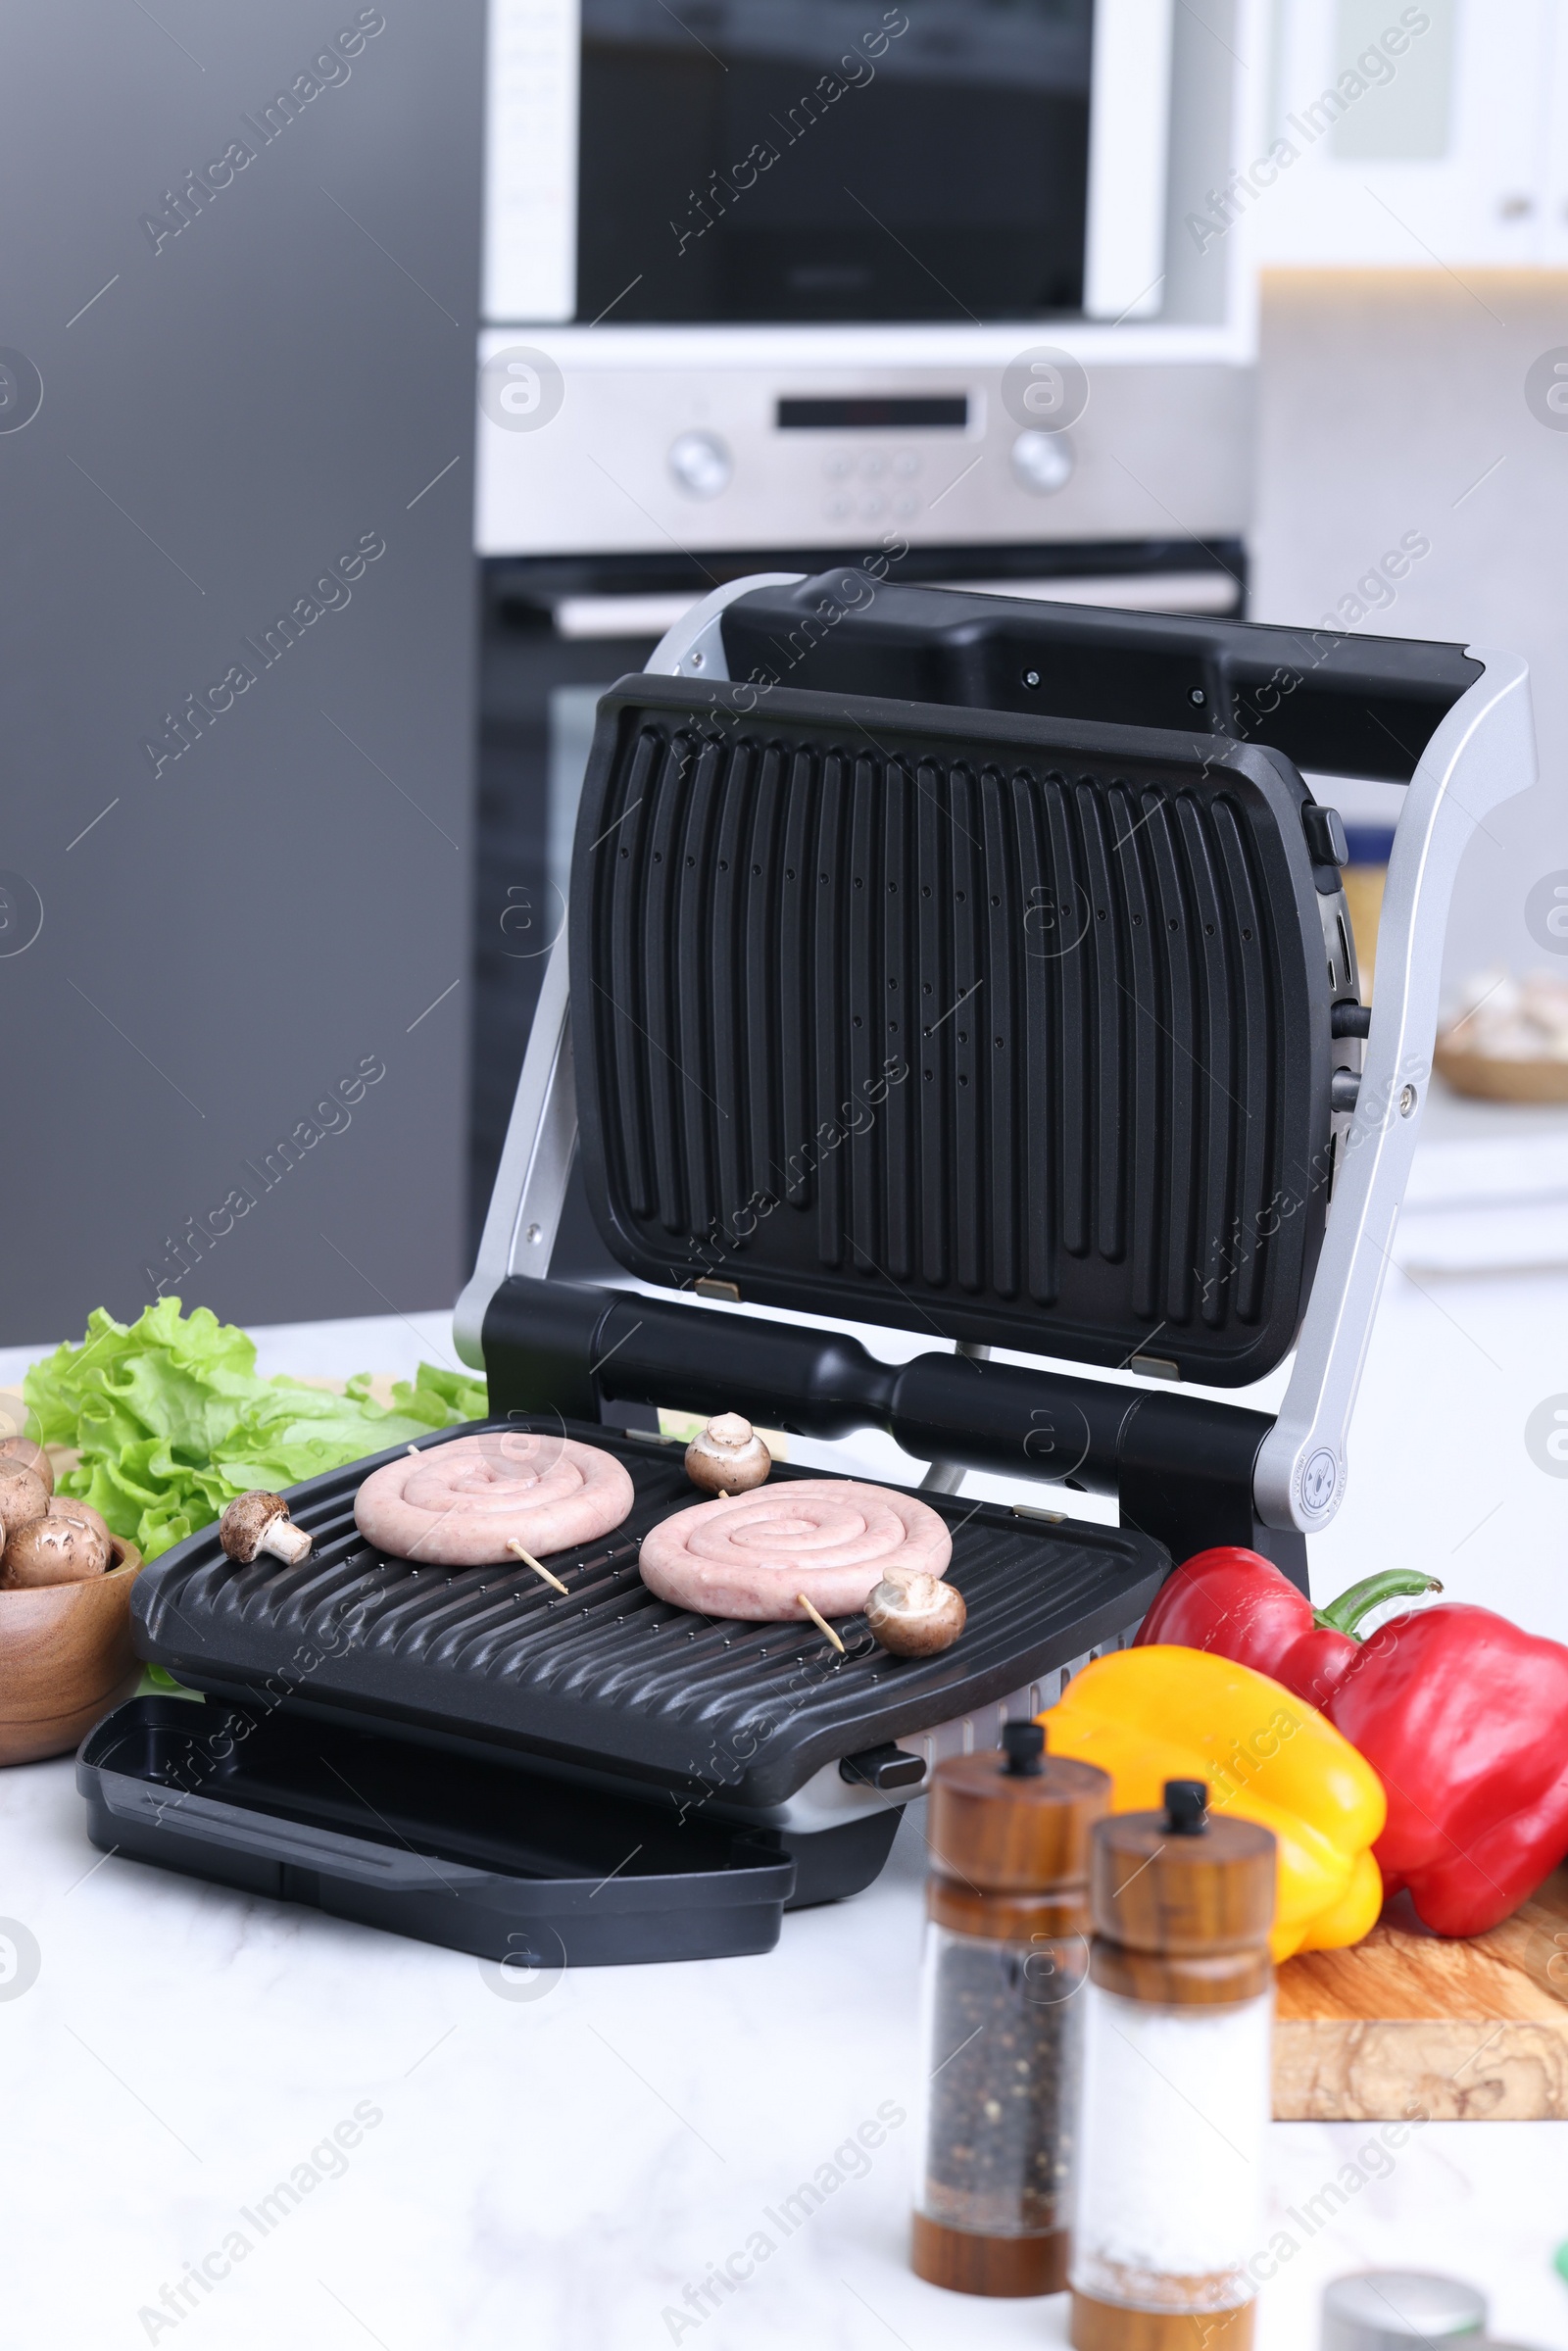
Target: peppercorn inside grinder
[1179,2013]
[1006,1959]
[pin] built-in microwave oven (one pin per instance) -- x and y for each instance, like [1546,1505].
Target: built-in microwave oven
[765,273]
[794,161]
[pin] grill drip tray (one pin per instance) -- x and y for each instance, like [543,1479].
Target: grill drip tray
[609,1680]
[503,1862]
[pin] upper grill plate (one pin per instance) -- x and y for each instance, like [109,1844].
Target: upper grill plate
[1017,1028]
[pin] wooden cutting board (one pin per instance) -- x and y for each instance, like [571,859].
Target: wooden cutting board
[1408,2026]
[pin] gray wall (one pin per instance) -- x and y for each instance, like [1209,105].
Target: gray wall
[271,388]
[1395,402]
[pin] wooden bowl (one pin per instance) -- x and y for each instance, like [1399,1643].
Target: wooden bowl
[1491,1078]
[65,1658]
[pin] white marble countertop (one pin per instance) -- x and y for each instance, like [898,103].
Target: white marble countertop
[560,2169]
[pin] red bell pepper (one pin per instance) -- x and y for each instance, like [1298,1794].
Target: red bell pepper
[1464,1716]
[1237,1603]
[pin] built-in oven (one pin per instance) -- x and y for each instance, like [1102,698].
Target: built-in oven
[774,284]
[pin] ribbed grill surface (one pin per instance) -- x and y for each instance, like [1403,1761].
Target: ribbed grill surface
[612,1676]
[872,1025]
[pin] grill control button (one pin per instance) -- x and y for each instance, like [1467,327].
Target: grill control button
[1325,834]
[887,1766]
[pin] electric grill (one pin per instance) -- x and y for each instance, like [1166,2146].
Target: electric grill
[937,961]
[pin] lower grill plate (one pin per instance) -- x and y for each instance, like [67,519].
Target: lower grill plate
[610,1678]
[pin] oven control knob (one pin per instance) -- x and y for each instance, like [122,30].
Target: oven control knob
[700,463]
[1043,461]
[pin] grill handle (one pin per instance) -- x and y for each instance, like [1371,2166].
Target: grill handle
[1181,1466]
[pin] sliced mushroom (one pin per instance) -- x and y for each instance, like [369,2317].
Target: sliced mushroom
[728,1457]
[915,1616]
[24,1497]
[19,1452]
[67,1545]
[260,1522]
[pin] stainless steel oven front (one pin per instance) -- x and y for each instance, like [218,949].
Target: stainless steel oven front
[767,274]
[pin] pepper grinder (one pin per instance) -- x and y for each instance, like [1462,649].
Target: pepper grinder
[1006,1957]
[1177,2089]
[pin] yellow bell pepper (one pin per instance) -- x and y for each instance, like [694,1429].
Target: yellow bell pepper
[1155,1714]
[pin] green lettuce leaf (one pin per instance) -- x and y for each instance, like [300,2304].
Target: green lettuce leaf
[172,1422]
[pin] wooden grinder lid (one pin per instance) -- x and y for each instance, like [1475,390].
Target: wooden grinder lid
[1184,1887]
[1009,1828]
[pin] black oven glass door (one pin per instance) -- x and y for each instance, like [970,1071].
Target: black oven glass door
[821,159]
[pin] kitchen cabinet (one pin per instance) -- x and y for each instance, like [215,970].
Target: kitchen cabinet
[1445,147]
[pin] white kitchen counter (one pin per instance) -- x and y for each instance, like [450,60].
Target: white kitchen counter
[558,2170]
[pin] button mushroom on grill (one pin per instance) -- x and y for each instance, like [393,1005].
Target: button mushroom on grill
[19,1452]
[24,1497]
[729,1457]
[915,1616]
[67,1544]
[259,1522]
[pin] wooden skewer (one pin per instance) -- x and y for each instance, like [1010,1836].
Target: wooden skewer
[528,1560]
[821,1624]
[414,1450]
